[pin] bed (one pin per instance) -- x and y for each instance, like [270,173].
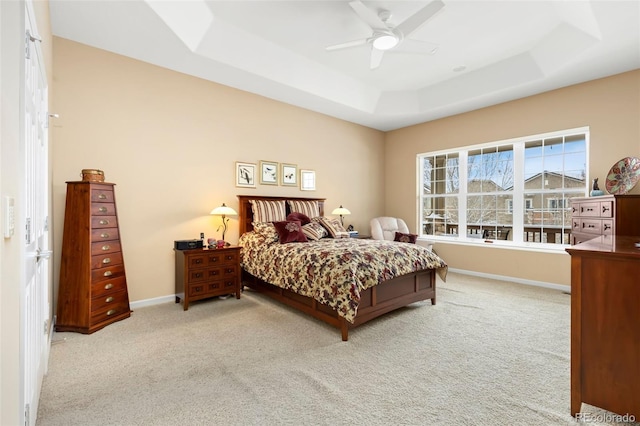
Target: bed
[343,299]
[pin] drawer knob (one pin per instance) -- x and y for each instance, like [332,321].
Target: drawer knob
[107,273]
[605,209]
[109,299]
[197,275]
[102,196]
[198,261]
[108,286]
[106,260]
[111,311]
[104,222]
[607,226]
[102,209]
[106,247]
[104,235]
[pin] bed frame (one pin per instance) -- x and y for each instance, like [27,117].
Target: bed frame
[374,301]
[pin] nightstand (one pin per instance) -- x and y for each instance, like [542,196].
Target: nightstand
[205,273]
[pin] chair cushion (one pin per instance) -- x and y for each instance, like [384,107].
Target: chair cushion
[385,228]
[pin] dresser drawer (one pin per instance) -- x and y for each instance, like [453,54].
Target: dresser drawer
[105,234]
[222,257]
[104,247]
[98,222]
[102,195]
[110,311]
[108,287]
[591,226]
[109,272]
[205,289]
[213,288]
[105,260]
[108,300]
[589,209]
[103,209]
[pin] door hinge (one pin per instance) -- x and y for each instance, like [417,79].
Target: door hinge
[29,38]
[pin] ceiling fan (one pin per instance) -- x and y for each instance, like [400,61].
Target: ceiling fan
[386,37]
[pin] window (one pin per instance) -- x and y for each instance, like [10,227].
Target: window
[518,190]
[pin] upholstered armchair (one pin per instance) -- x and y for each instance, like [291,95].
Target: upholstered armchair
[385,228]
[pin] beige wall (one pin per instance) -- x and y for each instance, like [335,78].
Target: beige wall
[609,106]
[170,142]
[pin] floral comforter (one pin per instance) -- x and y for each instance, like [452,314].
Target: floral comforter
[333,271]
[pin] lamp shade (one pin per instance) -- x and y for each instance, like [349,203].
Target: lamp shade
[223,210]
[341,211]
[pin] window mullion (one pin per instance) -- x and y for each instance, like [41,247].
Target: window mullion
[518,192]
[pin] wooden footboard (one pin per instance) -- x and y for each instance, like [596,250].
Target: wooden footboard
[374,302]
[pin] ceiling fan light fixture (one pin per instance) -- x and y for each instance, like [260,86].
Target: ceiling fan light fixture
[385,42]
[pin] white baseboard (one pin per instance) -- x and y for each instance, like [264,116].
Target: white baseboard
[154,301]
[561,287]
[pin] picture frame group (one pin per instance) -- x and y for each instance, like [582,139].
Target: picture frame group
[274,173]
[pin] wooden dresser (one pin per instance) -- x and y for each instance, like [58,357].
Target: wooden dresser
[93,286]
[606,216]
[205,273]
[605,324]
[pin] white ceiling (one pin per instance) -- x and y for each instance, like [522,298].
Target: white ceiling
[509,50]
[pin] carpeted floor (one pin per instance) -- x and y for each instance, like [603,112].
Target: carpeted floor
[489,353]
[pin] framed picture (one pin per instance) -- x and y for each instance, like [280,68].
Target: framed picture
[268,173]
[245,174]
[289,174]
[307,180]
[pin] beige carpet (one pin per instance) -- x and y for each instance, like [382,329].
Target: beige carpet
[490,353]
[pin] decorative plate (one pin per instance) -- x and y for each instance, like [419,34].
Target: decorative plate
[623,175]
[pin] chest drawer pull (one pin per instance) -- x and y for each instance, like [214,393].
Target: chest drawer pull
[109,299]
[229,257]
[607,226]
[107,273]
[104,235]
[106,260]
[102,209]
[104,222]
[108,286]
[106,247]
[102,196]
[111,311]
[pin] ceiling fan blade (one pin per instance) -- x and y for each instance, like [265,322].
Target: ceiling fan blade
[347,44]
[376,58]
[416,46]
[414,21]
[367,15]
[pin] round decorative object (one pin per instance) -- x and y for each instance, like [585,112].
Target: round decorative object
[623,176]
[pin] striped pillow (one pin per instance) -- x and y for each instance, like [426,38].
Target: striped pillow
[314,231]
[306,207]
[268,210]
[334,227]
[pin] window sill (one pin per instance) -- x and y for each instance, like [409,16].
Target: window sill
[497,244]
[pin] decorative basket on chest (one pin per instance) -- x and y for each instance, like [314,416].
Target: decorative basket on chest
[92,175]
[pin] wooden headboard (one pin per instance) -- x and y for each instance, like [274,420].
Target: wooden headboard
[245,212]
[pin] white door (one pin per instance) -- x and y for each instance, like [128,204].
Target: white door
[36,310]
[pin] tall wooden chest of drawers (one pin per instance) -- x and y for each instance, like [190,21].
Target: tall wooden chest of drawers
[605,216]
[204,273]
[93,285]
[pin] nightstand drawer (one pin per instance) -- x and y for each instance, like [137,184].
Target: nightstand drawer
[205,273]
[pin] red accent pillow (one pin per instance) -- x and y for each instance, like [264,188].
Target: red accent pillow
[303,218]
[290,232]
[405,238]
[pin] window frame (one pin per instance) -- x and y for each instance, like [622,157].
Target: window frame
[521,202]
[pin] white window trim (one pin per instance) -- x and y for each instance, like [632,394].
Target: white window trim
[518,190]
